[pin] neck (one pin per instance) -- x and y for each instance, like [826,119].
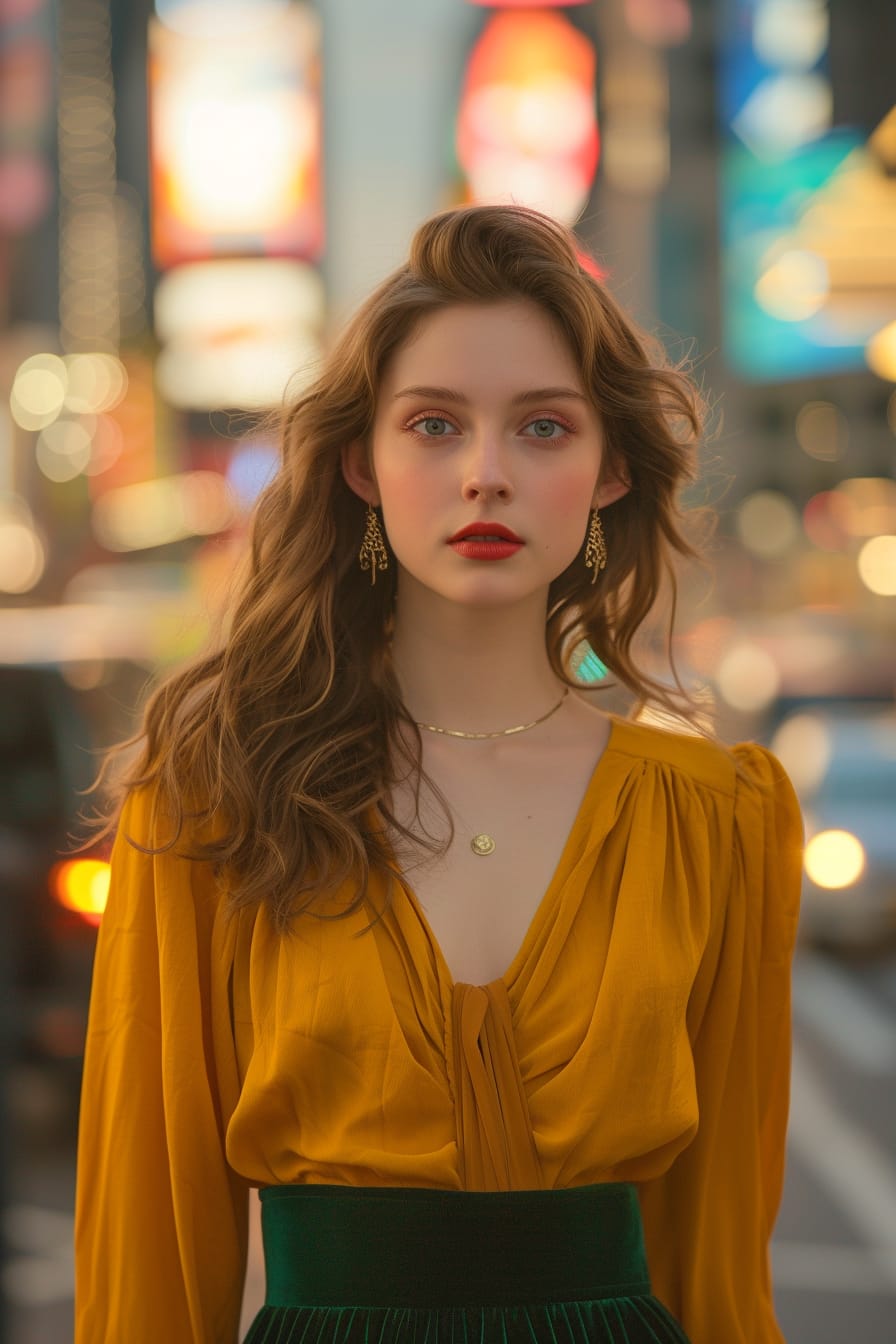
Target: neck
[473,668]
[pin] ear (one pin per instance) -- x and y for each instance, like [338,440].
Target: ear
[613,484]
[357,472]
[609,491]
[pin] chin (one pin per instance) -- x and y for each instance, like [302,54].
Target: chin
[491,593]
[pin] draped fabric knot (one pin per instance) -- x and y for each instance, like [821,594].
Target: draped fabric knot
[494,1132]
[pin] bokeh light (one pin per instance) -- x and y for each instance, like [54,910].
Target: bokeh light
[82,885]
[803,746]
[768,523]
[794,286]
[63,450]
[785,111]
[822,431]
[38,391]
[22,556]
[107,445]
[877,565]
[747,677]
[790,34]
[881,353]
[834,859]
[96,382]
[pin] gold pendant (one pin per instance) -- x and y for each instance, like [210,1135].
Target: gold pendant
[482,844]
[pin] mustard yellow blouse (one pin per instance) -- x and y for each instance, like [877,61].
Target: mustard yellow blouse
[641,1033]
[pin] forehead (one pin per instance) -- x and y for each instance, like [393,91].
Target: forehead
[484,346]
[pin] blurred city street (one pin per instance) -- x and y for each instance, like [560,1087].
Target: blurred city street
[193,197]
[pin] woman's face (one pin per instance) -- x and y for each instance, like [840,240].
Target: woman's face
[482,418]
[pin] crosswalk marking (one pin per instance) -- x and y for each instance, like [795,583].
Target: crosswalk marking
[843,1015]
[858,1174]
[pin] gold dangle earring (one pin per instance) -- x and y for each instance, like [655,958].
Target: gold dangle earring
[373,554]
[596,546]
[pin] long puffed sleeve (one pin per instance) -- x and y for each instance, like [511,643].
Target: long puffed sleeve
[161,1221]
[708,1220]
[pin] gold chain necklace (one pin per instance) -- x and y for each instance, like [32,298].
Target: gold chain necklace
[483,844]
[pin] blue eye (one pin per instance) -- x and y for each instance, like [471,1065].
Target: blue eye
[551,423]
[433,426]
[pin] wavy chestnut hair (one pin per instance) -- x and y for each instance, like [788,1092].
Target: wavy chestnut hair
[288,732]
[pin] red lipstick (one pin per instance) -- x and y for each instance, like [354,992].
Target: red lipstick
[485,541]
[486,530]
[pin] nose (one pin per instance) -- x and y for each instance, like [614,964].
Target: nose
[485,471]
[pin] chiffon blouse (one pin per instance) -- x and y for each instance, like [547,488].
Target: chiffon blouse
[641,1033]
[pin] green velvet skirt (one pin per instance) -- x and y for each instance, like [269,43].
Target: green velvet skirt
[374,1265]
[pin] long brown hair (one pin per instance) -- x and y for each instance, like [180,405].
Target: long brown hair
[287,732]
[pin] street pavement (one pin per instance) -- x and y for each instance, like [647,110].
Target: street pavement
[834,1250]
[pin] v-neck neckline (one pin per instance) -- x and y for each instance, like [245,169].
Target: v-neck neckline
[545,903]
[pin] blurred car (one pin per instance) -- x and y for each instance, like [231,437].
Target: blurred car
[841,757]
[52,732]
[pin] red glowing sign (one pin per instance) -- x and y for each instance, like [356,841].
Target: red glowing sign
[527,128]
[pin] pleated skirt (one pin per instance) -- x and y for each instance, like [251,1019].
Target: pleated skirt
[373,1265]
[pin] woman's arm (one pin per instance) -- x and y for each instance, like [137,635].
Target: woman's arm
[160,1220]
[709,1219]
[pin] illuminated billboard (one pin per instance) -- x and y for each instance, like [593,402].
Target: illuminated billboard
[807,208]
[527,124]
[235,141]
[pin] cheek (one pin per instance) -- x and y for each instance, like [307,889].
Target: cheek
[405,491]
[408,498]
[568,496]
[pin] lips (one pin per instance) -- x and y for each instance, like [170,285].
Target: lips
[485,531]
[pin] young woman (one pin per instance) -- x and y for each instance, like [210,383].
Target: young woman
[485,989]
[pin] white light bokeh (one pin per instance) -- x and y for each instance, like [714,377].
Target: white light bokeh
[22,556]
[95,382]
[38,391]
[834,859]
[768,523]
[877,565]
[792,34]
[747,677]
[63,450]
[784,112]
[803,746]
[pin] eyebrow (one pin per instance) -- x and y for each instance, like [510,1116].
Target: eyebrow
[521,399]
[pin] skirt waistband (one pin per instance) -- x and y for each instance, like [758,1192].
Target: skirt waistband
[327,1245]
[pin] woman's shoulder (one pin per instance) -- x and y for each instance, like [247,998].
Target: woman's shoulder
[703,760]
[744,771]
[157,816]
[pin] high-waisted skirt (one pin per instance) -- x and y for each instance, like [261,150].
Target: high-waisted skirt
[345,1265]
